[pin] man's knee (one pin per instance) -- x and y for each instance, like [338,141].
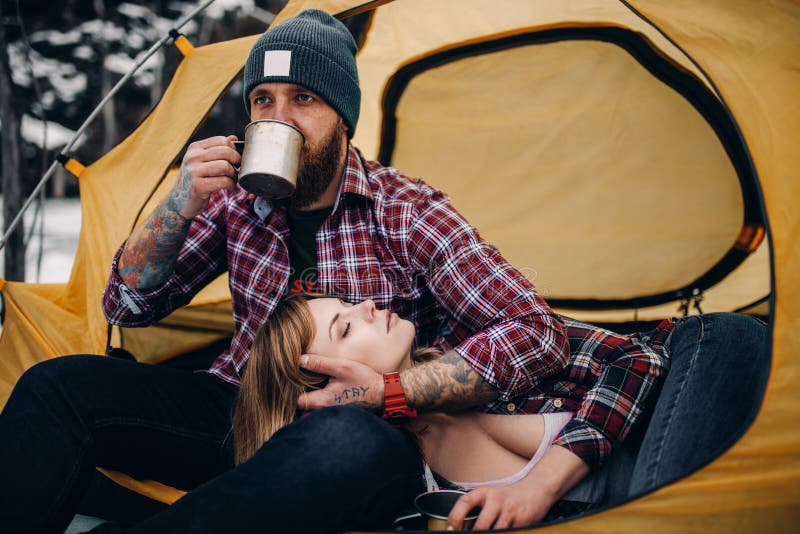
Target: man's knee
[58,370]
[53,380]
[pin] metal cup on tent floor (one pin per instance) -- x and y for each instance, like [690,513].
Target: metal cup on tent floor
[436,506]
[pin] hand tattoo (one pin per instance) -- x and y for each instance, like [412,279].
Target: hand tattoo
[350,393]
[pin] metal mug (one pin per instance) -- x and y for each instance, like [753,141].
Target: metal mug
[436,506]
[270,158]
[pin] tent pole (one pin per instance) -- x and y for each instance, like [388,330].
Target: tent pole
[26,205]
[361,8]
[141,61]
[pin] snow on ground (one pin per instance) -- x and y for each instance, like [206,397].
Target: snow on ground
[62,223]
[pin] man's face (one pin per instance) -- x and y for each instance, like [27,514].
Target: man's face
[324,131]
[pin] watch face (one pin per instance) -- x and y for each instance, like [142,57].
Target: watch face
[392,386]
[396,409]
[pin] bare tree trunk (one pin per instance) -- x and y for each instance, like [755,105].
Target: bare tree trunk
[204,33]
[14,251]
[109,113]
[59,183]
[156,90]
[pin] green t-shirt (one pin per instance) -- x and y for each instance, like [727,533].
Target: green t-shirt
[303,226]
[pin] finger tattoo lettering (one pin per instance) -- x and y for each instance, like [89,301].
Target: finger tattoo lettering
[350,393]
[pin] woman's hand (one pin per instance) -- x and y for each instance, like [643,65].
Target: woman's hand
[350,383]
[526,501]
[516,505]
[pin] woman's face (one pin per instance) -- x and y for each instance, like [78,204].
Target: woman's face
[361,332]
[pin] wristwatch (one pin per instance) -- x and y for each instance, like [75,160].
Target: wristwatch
[395,405]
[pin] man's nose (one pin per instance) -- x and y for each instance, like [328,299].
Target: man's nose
[281,111]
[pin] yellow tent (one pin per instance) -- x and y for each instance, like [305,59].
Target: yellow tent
[628,157]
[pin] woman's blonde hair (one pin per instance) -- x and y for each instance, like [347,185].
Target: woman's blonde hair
[273,379]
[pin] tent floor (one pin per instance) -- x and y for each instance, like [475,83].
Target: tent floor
[108,500]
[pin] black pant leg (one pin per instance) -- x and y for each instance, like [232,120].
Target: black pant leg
[67,415]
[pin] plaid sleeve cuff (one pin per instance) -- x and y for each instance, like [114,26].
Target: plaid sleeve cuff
[589,444]
[126,306]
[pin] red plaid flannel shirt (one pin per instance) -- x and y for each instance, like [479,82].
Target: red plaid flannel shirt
[389,238]
[609,382]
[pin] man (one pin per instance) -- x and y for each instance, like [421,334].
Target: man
[353,229]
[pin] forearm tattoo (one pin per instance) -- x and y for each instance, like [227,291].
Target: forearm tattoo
[447,384]
[150,254]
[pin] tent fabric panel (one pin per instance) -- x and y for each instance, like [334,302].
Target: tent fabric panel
[757,70]
[37,327]
[189,328]
[135,166]
[760,308]
[392,46]
[157,344]
[216,317]
[149,488]
[567,124]
[745,285]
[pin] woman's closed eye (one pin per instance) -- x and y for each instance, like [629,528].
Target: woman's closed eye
[346,330]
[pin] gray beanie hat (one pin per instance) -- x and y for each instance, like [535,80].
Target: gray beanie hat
[314,50]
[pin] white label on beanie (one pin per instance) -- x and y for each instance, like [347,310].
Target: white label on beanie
[277,62]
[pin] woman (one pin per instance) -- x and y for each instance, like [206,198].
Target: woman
[469,449]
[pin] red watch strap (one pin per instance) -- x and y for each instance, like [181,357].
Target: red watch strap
[395,405]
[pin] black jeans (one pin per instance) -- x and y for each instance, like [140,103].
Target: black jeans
[336,469]
[719,367]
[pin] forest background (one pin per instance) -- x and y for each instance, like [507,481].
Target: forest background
[58,59]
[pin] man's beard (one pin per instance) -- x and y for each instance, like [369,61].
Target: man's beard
[317,169]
